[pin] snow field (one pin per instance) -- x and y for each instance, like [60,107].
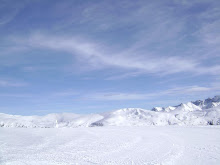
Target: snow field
[110,145]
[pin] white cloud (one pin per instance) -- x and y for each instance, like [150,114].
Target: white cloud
[183,91]
[98,56]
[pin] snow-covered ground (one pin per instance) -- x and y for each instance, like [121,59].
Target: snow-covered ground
[110,145]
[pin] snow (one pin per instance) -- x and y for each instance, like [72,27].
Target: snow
[199,112]
[110,145]
[158,109]
[48,121]
[184,134]
[169,108]
[184,114]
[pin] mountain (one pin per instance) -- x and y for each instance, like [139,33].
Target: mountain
[192,106]
[187,107]
[198,112]
[208,103]
[126,117]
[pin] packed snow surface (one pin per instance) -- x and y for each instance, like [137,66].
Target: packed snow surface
[109,145]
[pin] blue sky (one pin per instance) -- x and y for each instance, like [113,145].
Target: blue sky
[92,56]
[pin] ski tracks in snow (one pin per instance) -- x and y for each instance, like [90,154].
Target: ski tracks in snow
[109,146]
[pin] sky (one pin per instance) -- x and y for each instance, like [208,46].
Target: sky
[91,56]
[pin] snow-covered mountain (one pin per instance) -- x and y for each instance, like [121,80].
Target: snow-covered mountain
[198,112]
[192,106]
[208,103]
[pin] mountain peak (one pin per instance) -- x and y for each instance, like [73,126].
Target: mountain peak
[193,105]
[157,109]
[216,98]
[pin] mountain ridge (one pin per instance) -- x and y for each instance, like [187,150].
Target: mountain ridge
[203,104]
[197,112]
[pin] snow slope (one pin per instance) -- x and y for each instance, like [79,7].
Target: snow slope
[111,146]
[199,112]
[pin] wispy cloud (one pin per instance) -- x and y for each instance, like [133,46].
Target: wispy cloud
[99,56]
[11,83]
[183,91]
[162,45]
[9,11]
[15,95]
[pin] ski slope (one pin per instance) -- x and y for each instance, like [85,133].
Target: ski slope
[110,145]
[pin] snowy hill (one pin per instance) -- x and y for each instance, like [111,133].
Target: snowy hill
[199,112]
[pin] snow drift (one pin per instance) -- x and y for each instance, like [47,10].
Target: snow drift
[199,112]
